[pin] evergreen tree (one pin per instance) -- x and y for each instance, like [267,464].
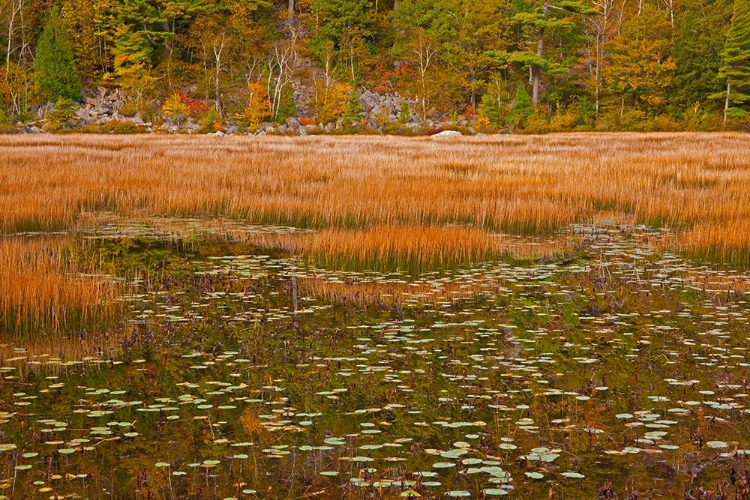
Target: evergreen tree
[339,20]
[353,111]
[522,105]
[735,70]
[404,113]
[490,109]
[699,35]
[54,66]
[538,21]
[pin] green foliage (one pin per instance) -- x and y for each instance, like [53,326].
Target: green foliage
[536,23]
[55,72]
[212,122]
[578,65]
[287,107]
[642,68]
[522,106]
[4,114]
[89,24]
[62,114]
[118,127]
[343,23]
[584,111]
[735,70]
[698,43]
[490,109]
[404,113]
[353,110]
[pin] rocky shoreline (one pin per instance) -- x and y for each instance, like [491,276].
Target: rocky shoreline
[104,111]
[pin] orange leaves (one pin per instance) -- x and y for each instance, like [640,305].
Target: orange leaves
[330,99]
[259,105]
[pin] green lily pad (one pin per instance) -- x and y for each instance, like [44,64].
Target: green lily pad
[494,492]
[572,475]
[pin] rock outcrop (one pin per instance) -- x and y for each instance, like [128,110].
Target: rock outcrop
[103,110]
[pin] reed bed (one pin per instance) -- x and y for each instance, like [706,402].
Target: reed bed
[512,184]
[418,249]
[721,241]
[410,248]
[43,293]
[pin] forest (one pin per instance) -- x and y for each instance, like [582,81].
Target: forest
[527,65]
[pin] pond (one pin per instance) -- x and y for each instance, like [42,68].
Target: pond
[619,372]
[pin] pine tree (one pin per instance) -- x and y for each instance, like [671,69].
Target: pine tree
[735,70]
[542,19]
[699,37]
[54,66]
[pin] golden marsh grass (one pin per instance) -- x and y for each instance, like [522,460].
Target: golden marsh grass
[518,184]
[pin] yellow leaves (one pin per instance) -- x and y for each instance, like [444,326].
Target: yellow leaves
[175,106]
[258,107]
[639,65]
[330,99]
[80,17]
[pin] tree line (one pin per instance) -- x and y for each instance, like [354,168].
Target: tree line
[533,64]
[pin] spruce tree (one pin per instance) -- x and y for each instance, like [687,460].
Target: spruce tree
[490,109]
[522,106]
[735,70]
[353,111]
[54,66]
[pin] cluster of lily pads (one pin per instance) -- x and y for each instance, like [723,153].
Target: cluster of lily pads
[625,364]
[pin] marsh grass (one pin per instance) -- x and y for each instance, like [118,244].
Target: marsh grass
[522,185]
[722,241]
[43,292]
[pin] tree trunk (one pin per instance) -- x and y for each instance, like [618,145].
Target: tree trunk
[536,70]
[726,103]
[14,10]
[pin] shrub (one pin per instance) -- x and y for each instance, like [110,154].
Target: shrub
[61,115]
[489,109]
[175,107]
[404,113]
[353,110]
[119,127]
[212,121]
